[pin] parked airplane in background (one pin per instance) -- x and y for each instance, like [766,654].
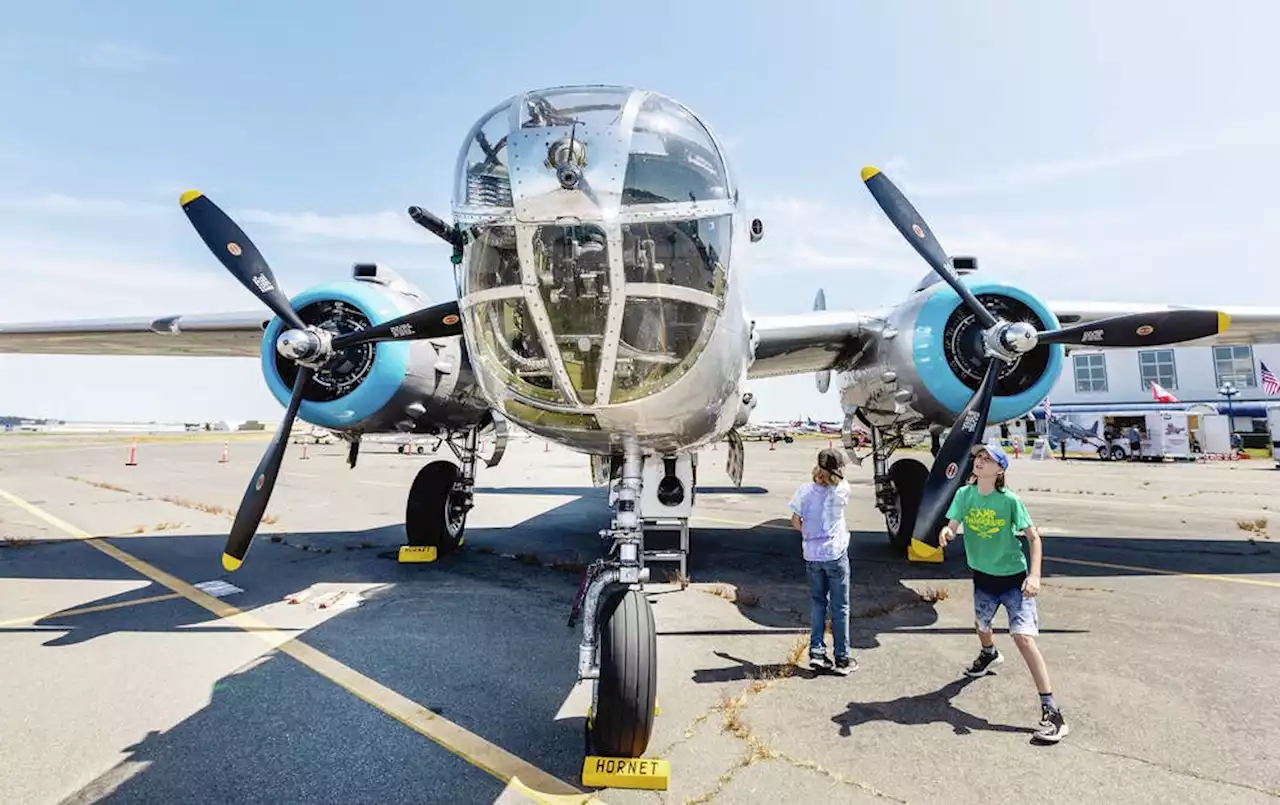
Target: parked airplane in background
[1062,429]
[593,232]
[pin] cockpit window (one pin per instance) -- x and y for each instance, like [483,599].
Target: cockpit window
[596,107]
[572,265]
[510,343]
[692,254]
[485,177]
[507,339]
[672,158]
[493,262]
[661,338]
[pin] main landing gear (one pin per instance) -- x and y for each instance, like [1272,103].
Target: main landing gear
[619,642]
[441,496]
[899,487]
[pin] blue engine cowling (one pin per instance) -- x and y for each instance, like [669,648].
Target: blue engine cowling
[945,353]
[358,391]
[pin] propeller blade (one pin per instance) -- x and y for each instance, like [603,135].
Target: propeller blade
[912,226]
[1141,329]
[232,247]
[254,503]
[436,321]
[951,465]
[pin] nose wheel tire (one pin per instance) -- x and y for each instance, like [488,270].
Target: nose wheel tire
[626,691]
[434,515]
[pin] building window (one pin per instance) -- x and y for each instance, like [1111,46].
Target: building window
[1156,366]
[1234,365]
[1091,372]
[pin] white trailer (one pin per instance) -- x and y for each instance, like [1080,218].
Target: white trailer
[1214,434]
[1167,436]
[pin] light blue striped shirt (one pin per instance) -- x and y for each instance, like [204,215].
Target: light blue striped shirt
[821,508]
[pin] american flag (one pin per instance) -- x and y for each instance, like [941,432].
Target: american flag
[1269,383]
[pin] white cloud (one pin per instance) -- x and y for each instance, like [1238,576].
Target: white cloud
[387,227]
[101,55]
[51,278]
[120,56]
[1224,139]
[59,203]
[806,234]
[384,227]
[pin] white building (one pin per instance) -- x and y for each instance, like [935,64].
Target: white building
[1191,374]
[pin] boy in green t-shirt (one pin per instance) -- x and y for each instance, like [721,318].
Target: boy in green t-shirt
[993,516]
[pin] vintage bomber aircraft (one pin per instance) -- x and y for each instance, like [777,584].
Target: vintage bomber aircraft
[593,230]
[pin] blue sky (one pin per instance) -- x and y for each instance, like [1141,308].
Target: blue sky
[1087,150]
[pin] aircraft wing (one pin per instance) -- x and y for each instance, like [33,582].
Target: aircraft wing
[213,335]
[1249,325]
[810,342]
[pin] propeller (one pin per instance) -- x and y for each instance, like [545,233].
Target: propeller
[308,346]
[1004,342]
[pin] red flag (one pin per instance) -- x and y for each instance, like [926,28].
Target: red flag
[1159,394]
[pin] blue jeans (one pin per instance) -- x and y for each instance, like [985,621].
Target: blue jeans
[829,581]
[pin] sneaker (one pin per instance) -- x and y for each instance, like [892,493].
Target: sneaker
[819,661]
[981,666]
[1053,727]
[844,665]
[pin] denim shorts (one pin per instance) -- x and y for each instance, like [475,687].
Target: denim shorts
[1023,617]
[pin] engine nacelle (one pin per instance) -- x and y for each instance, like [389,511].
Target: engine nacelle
[930,359]
[409,386]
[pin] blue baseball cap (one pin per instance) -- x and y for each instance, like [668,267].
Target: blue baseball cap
[994,451]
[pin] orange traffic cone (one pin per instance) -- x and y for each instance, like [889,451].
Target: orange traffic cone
[225,447]
[133,455]
[304,451]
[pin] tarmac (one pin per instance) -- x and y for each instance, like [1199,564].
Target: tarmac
[329,672]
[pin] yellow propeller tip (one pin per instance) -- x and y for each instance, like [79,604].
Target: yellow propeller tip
[1224,322]
[230,563]
[869,171]
[189,196]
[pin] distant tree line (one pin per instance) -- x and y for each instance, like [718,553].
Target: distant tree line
[18,420]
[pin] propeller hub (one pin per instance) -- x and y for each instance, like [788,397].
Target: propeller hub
[302,346]
[1020,337]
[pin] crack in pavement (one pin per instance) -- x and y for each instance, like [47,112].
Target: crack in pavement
[809,765]
[1182,772]
[758,750]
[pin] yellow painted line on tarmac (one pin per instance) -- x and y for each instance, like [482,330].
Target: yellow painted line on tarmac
[1136,568]
[67,613]
[519,774]
[1141,569]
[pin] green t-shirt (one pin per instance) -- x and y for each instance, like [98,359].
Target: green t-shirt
[991,525]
